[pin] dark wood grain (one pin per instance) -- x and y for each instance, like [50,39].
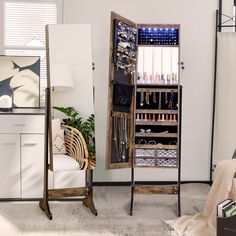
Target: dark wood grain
[67,192]
[156,189]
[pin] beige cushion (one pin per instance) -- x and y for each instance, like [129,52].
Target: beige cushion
[58,142]
[63,162]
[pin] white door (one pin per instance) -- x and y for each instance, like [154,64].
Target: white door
[32,159]
[10,166]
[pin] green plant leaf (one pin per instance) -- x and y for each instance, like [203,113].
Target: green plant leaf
[87,128]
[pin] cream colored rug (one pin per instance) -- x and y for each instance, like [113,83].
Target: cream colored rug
[73,219]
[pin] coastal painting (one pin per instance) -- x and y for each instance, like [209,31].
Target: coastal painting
[21,74]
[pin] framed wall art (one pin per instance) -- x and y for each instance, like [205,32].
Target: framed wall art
[21,74]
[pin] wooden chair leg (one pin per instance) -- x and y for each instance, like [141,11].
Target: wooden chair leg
[88,200]
[43,203]
[45,207]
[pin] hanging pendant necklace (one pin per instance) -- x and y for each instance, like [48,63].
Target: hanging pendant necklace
[147,98]
[166,98]
[171,99]
[123,139]
[141,98]
[116,135]
[154,99]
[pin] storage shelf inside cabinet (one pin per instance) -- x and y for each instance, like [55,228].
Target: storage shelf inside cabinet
[156,111]
[169,135]
[157,123]
[166,90]
[152,85]
[158,146]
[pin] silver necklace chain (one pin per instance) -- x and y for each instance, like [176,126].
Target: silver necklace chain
[121,130]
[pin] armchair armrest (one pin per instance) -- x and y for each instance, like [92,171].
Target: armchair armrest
[76,146]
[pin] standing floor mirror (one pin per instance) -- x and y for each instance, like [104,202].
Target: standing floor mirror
[69,161]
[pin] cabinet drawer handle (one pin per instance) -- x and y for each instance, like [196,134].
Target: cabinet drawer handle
[30,144]
[9,144]
[19,125]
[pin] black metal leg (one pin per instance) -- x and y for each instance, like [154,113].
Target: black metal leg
[179,164]
[132,192]
[179,203]
[132,201]
[218,19]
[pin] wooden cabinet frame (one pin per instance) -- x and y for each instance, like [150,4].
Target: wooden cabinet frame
[132,146]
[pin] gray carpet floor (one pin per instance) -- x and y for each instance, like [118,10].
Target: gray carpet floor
[73,219]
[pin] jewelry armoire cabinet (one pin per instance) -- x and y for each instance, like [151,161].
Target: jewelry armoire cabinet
[144,103]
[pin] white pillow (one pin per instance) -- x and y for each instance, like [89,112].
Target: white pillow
[63,162]
[58,142]
[56,124]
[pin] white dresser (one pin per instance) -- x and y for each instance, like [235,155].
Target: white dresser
[21,153]
[22,157]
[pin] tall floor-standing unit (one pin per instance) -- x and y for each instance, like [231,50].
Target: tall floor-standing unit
[144,104]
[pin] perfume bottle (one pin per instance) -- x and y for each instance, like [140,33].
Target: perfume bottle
[163,79]
[168,79]
[145,77]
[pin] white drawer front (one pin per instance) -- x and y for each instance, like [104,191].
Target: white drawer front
[10,166]
[32,165]
[21,124]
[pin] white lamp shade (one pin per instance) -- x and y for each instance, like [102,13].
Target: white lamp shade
[60,77]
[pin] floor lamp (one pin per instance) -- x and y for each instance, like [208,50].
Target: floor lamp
[60,80]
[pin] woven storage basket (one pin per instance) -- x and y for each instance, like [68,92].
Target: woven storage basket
[167,162]
[144,162]
[145,152]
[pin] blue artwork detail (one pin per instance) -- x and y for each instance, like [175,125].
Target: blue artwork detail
[34,67]
[24,84]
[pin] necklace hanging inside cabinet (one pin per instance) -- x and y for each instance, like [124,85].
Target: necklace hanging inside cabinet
[141,99]
[154,98]
[147,98]
[121,131]
[116,137]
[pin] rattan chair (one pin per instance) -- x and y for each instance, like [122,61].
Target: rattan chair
[77,157]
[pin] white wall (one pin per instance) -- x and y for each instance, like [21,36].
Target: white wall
[197,19]
[1,27]
[225,126]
